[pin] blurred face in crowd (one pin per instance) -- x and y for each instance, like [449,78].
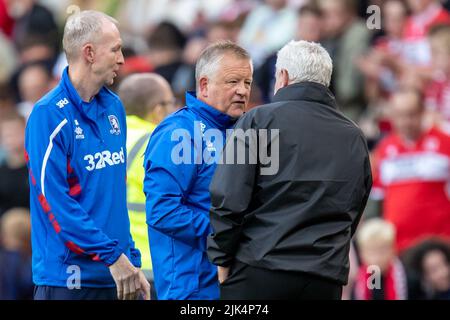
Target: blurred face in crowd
[228,90]
[34,83]
[7,104]
[335,17]
[12,136]
[440,53]
[36,52]
[165,106]
[379,253]
[219,31]
[18,8]
[394,18]
[407,114]
[276,4]
[309,27]
[418,6]
[436,270]
[15,228]
[107,54]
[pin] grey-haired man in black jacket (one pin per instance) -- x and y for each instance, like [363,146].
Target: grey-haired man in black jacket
[283,218]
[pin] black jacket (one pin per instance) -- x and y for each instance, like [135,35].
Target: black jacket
[303,217]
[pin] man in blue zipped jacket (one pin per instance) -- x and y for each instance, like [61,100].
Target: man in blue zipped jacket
[180,160]
[76,153]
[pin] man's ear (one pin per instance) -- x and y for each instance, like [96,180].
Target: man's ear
[88,52]
[159,113]
[284,74]
[203,87]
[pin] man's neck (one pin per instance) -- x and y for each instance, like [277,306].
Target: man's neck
[84,84]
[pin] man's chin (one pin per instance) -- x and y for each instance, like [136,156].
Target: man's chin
[236,112]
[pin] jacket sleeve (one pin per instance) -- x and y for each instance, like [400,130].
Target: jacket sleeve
[367,186]
[48,140]
[167,183]
[135,254]
[231,192]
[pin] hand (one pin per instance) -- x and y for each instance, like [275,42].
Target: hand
[126,277]
[145,286]
[222,273]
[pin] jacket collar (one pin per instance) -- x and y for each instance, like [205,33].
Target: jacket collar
[306,91]
[75,98]
[220,119]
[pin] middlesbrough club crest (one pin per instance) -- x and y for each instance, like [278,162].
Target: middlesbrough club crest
[114,125]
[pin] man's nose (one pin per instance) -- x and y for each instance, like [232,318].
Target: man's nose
[242,89]
[121,59]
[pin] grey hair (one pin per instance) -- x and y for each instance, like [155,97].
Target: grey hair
[209,60]
[82,28]
[305,61]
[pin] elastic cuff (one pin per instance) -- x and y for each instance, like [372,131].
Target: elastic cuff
[111,259]
[218,257]
[136,261]
[135,257]
[224,261]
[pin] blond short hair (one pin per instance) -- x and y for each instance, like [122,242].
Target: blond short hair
[375,230]
[210,58]
[82,28]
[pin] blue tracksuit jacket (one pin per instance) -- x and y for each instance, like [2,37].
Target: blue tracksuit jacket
[77,163]
[178,201]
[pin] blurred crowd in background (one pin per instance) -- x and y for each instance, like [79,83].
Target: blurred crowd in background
[391,76]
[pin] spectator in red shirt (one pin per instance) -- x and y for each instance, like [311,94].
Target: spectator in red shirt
[426,14]
[412,173]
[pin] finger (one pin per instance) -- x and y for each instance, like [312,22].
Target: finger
[132,284]
[126,289]
[147,291]
[119,285]
[145,288]
[137,284]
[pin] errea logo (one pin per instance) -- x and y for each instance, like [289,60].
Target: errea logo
[62,103]
[78,131]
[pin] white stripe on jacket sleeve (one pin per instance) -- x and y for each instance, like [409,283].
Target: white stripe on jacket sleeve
[49,150]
